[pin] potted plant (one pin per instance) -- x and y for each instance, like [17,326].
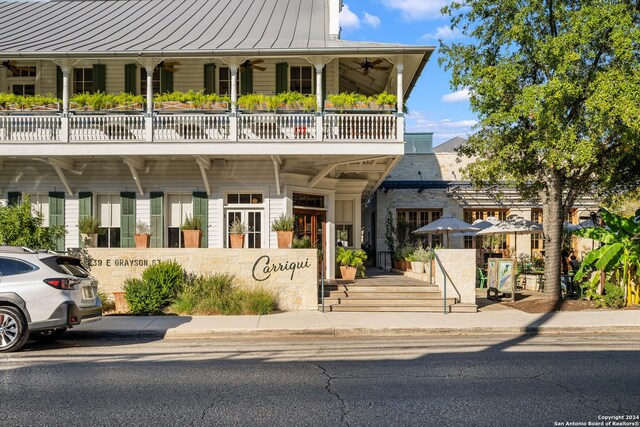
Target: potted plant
[416,266]
[283,227]
[89,229]
[237,230]
[303,242]
[343,237]
[192,231]
[423,257]
[351,261]
[143,235]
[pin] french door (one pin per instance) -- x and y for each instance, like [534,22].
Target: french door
[252,219]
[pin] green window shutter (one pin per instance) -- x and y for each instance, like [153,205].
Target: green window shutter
[56,215]
[200,210]
[85,209]
[246,81]
[14,198]
[166,81]
[58,82]
[130,78]
[127,220]
[209,78]
[282,77]
[157,220]
[100,78]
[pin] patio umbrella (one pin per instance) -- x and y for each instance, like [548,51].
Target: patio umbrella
[445,225]
[584,224]
[479,224]
[513,225]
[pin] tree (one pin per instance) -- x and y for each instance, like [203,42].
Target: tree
[556,87]
[19,227]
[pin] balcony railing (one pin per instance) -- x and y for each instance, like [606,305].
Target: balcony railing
[196,127]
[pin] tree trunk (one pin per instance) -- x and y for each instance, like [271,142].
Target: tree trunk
[553,218]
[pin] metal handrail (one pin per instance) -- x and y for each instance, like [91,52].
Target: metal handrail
[445,276]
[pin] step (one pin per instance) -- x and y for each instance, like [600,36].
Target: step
[388,301]
[464,308]
[389,288]
[375,308]
[399,295]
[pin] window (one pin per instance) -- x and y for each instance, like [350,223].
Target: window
[109,216]
[537,243]
[12,267]
[247,208]
[301,80]
[40,205]
[22,89]
[22,71]
[180,206]
[344,222]
[308,200]
[224,81]
[497,241]
[83,80]
[419,218]
[155,80]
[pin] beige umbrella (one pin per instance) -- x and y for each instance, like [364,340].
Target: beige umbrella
[445,225]
[513,225]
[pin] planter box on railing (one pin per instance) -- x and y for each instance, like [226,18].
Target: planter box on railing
[21,108]
[190,106]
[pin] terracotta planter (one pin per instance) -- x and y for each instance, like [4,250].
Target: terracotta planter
[285,238]
[237,241]
[121,302]
[142,240]
[348,273]
[192,238]
[89,240]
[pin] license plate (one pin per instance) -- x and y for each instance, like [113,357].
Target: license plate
[87,293]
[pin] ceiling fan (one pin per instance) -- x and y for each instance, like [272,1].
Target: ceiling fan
[169,66]
[11,66]
[252,64]
[371,65]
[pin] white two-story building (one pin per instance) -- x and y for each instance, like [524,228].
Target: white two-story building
[158,166]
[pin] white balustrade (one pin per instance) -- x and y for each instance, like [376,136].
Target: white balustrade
[106,128]
[29,128]
[360,127]
[191,127]
[277,127]
[204,127]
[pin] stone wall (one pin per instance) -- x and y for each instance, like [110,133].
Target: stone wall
[291,274]
[460,266]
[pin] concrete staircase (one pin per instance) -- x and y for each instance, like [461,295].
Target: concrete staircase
[388,292]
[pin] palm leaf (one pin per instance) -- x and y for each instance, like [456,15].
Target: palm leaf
[610,257]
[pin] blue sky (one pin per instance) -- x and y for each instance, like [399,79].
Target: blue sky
[433,105]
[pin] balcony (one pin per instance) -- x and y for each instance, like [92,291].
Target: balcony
[199,127]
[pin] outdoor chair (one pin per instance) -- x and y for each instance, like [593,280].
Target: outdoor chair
[480,278]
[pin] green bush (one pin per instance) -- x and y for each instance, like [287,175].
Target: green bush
[20,227]
[302,243]
[218,294]
[614,295]
[158,288]
[107,304]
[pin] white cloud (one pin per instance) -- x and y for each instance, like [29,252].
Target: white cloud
[348,19]
[442,129]
[445,33]
[458,96]
[417,9]
[371,20]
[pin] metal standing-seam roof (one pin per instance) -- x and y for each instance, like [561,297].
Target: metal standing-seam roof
[83,28]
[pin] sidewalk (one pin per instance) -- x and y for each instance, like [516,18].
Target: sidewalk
[318,324]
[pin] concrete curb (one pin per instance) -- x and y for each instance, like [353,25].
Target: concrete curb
[151,334]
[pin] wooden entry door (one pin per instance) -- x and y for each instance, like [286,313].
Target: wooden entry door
[309,222]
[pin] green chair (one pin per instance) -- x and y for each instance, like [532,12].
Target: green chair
[480,278]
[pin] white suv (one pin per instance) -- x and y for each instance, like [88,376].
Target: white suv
[43,294]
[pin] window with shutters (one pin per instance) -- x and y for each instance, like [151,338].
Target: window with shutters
[224,81]
[301,80]
[155,80]
[22,79]
[108,209]
[249,209]
[179,206]
[82,80]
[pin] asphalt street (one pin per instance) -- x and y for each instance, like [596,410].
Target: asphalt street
[546,380]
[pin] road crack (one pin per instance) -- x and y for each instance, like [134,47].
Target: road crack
[343,405]
[204,411]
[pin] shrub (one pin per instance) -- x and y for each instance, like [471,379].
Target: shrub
[158,287]
[107,304]
[89,225]
[20,227]
[614,295]
[218,294]
[302,243]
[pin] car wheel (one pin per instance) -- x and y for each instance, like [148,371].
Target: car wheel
[48,336]
[13,329]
